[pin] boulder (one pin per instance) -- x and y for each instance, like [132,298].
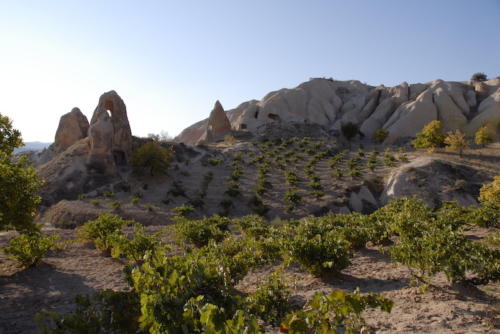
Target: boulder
[73,126]
[434,181]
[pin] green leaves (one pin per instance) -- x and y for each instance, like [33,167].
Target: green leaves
[337,311]
[29,248]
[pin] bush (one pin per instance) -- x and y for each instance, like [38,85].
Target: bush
[201,232]
[479,76]
[29,248]
[271,301]
[116,205]
[135,248]
[490,193]
[483,136]
[293,198]
[102,231]
[184,210]
[338,312]
[151,158]
[380,135]
[318,252]
[107,311]
[431,137]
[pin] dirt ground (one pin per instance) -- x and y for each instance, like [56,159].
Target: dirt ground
[79,269]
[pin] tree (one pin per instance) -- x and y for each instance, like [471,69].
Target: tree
[490,193]
[380,135]
[349,130]
[18,182]
[151,157]
[456,141]
[431,137]
[483,137]
[479,76]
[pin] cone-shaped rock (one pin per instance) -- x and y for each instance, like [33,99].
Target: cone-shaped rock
[217,126]
[73,126]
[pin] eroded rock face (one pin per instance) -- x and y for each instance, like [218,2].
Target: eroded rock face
[73,126]
[84,157]
[121,146]
[217,126]
[434,181]
[101,136]
[402,110]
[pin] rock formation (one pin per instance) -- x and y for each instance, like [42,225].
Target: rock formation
[434,181]
[121,145]
[73,126]
[84,157]
[402,110]
[217,125]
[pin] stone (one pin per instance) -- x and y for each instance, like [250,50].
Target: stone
[73,126]
[217,126]
[112,104]
[101,134]
[488,115]
[434,181]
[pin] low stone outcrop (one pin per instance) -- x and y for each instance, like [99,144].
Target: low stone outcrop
[434,181]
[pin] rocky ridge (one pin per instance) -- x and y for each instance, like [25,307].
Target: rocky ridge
[402,110]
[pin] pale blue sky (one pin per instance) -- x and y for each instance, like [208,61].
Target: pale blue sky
[170,60]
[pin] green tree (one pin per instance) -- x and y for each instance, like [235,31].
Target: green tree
[483,136]
[349,130]
[431,137]
[18,182]
[479,76]
[151,158]
[380,135]
[456,141]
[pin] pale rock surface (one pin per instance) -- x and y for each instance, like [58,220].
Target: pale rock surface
[73,126]
[217,126]
[110,102]
[403,110]
[488,114]
[101,143]
[433,181]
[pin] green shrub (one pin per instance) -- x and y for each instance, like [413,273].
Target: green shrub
[338,312]
[135,200]
[29,248]
[102,231]
[214,161]
[431,137]
[109,194]
[95,202]
[135,248]
[271,301]
[201,232]
[107,311]
[293,198]
[318,252]
[184,210]
[151,158]
[380,135]
[116,205]
[337,173]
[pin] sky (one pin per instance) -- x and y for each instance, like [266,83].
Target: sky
[171,60]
